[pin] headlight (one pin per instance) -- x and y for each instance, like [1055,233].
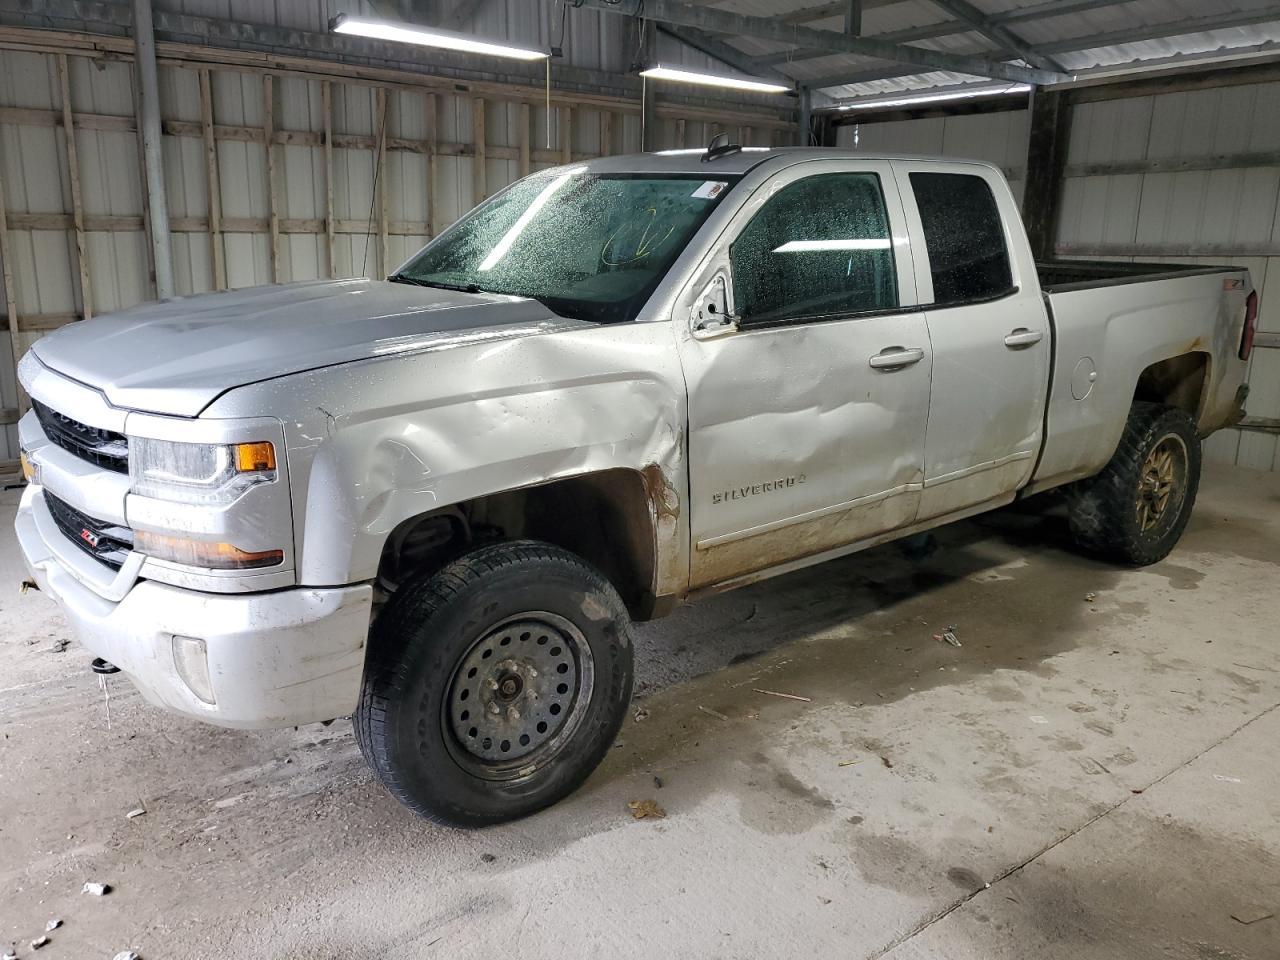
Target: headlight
[198,472]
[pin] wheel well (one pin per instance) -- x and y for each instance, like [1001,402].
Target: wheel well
[1176,382]
[607,518]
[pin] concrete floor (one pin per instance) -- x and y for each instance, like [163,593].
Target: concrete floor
[1079,779]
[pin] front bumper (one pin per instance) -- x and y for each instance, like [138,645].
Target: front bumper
[274,659]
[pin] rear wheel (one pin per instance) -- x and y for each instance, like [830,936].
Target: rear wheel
[1135,510]
[495,686]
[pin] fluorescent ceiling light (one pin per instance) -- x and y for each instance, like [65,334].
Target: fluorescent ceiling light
[913,101]
[403,33]
[713,80]
[811,246]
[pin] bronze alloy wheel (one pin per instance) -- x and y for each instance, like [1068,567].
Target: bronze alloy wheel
[1161,482]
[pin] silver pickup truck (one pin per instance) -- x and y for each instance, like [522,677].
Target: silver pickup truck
[437,502]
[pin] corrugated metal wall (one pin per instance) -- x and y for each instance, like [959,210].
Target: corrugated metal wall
[999,138]
[1187,177]
[359,205]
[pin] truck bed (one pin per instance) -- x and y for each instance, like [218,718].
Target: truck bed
[1061,275]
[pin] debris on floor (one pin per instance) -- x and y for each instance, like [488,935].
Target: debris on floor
[130,955]
[9,955]
[52,925]
[487,858]
[1252,915]
[887,763]
[29,584]
[40,941]
[641,714]
[642,809]
[135,813]
[1090,597]
[60,645]
[849,763]
[712,713]
[948,636]
[785,696]
[1223,778]
[97,889]
[657,782]
[1038,719]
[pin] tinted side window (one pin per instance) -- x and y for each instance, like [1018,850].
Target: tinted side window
[819,247]
[964,236]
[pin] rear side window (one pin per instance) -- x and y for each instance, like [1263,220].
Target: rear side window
[963,233]
[820,247]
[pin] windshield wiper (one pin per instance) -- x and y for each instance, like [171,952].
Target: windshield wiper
[439,284]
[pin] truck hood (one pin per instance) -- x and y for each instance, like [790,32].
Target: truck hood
[177,356]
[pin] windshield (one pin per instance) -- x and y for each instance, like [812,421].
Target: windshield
[589,246]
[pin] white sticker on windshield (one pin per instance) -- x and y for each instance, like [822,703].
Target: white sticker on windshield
[710,189]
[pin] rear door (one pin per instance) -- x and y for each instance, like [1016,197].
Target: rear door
[807,421]
[989,330]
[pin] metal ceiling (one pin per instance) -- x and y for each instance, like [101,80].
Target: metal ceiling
[1078,38]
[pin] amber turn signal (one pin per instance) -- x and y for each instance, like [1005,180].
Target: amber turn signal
[255,457]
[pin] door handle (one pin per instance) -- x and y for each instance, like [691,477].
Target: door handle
[1022,337]
[896,358]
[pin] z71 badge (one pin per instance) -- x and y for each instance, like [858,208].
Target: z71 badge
[769,486]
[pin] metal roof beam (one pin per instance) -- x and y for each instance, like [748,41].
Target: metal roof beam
[717,49]
[948,28]
[1001,36]
[1269,14]
[767,28]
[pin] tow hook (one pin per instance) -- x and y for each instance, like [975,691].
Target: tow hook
[29,584]
[102,668]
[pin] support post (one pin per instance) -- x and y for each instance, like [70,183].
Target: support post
[526,115]
[804,117]
[326,104]
[269,141]
[73,170]
[606,133]
[1046,160]
[566,135]
[144,39]
[853,18]
[480,162]
[384,194]
[216,252]
[11,297]
[433,140]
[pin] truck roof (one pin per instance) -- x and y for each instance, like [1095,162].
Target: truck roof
[739,162]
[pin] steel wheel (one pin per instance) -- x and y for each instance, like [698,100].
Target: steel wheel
[518,695]
[1161,482]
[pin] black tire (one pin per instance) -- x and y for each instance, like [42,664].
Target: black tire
[1107,511]
[411,722]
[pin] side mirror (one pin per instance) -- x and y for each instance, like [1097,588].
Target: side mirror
[711,316]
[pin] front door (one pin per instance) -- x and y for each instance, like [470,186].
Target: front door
[807,422]
[990,335]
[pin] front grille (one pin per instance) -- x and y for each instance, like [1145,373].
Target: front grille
[103,541]
[105,448]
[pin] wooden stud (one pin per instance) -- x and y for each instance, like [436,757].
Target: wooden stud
[10,295]
[384,248]
[606,133]
[77,200]
[273,207]
[566,134]
[216,251]
[326,100]
[479,163]
[526,118]
[433,139]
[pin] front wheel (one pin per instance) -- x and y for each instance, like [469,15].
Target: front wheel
[495,686]
[1135,510]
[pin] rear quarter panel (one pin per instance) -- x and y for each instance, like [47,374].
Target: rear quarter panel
[1122,329]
